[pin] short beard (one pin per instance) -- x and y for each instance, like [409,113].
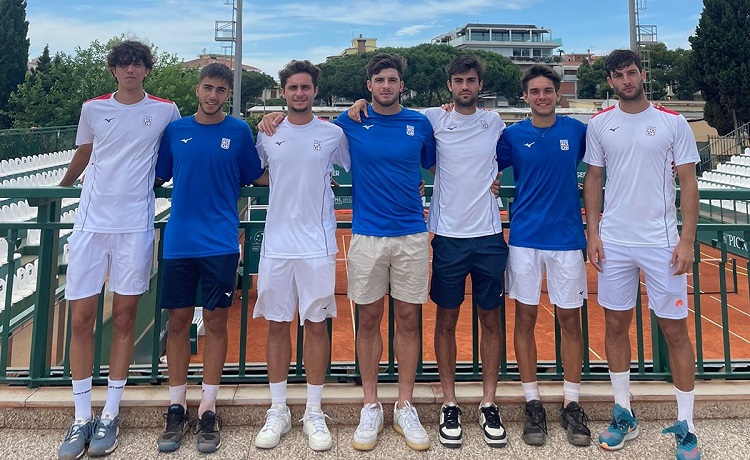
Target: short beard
[382,103]
[472,102]
[637,95]
[296,110]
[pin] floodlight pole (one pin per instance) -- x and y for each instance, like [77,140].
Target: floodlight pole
[237,93]
[633,25]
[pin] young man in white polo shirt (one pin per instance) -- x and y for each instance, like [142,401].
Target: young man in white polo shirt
[113,235]
[643,150]
[298,255]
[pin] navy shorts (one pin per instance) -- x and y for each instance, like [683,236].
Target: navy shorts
[217,276]
[483,258]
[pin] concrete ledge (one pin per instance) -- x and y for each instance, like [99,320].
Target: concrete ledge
[245,405]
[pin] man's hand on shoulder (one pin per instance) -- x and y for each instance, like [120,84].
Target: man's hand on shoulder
[359,107]
[269,123]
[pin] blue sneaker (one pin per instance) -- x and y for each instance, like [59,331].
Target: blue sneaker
[624,427]
[104,440]
[76,441]
[687,442]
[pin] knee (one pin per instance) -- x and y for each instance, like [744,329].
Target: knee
[616,327]
[278,329]
[216,325]
[445,322]
[369,321]
[525,321]
[570,323]
[317,330]
[407,323]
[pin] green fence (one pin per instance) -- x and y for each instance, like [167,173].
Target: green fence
[16,143]
[34,340]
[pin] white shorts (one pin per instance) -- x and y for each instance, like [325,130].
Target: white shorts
[126,257]
[566,276]
[619,280]
[401,262]
[283,283]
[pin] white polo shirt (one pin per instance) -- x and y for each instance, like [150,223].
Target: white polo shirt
[639,153]
[118,187]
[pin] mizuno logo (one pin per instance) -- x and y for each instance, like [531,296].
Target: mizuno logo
[451,128]
[228,294]
[109,119]
[185,141]
[529,144]
[367,126]
[279,142]
[614,129]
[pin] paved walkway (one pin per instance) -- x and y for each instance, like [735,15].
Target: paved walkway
[720,438]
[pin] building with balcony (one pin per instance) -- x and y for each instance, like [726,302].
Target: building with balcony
[523,44]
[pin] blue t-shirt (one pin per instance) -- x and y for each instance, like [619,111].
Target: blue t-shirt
[208,164]
[546,211]
[386,153]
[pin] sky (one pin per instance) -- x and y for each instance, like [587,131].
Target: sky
[277,31]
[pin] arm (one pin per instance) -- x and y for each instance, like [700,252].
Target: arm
[77,164]
[269,122]
[262,181]
[683,256]
[358,107]
[592,199]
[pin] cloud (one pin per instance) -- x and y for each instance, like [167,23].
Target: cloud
[408,31]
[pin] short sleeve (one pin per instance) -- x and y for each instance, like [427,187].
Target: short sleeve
[341,156]
[85,133]
[164,158]
[250,164]
[685,148]
[594,151]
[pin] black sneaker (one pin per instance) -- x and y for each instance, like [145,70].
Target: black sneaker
[574,420]
[450,432]
[207,429]
[535,424]
[177,427]
[492,426]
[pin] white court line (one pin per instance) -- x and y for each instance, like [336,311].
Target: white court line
[547,309]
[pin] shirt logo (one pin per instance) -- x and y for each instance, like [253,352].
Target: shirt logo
[367,126]
[109,119]
[317,145]
[147,121]
[529,144]
[564,144]
[614,129]
[185,141]
[225,143]
[451,128]
[280,142]
[409,130]
[651,130]
[484,124]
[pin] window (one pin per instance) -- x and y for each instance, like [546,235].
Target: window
[480,35]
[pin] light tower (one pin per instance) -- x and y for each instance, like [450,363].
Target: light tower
[640,36]
[229,34]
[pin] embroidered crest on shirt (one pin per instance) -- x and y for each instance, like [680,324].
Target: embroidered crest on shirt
[317,145]
[651,130]
[147,121]
[564,145]
[484,124]
[409,130]
[225,143]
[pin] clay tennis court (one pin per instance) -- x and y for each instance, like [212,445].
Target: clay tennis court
[738,313]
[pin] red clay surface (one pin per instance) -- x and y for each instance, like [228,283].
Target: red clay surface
[343,325]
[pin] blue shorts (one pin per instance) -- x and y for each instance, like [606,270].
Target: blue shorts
[483,258]
[217,276]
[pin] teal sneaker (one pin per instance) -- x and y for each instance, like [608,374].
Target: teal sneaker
[104,439]
[687,442]
[624,427]
[76,441]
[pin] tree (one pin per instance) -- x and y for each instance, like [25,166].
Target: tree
[14,51]
[671,69]
[253,84]
[592,79]
[721,60]
[44,62]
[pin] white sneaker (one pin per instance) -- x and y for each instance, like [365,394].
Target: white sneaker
[370,425]
[278,422]
[314,426]
[406,423]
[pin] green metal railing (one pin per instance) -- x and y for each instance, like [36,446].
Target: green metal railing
[16,143]
[34,341]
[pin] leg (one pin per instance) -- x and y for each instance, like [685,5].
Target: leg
[445,351]
[369,347]
[617,339]
[316,351]
[278,350]
[491,343]
[406,344]
[524,341]
[572,343]
[82,319]
[178,339]
[215,322]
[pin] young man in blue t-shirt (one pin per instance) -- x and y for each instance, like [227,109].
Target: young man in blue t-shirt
[208,156]
[545,151]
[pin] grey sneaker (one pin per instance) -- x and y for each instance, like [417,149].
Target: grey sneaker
[208,430]
[177,427]
[78,437]
[104,440]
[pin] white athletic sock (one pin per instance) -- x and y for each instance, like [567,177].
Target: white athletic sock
[621,388]
[278,392]
[82,398]
[685,401]
[531,391]
[178,395]
[314,396]
[208,399]
[571,392]
[114,395]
